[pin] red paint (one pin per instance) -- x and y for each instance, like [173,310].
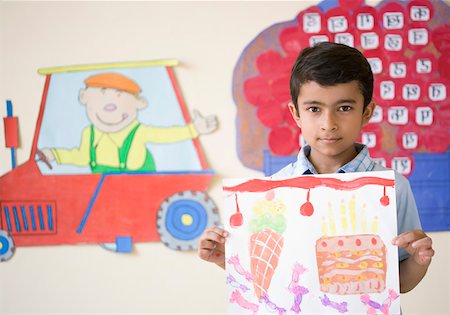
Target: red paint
[341,243]
[236,219]
[358,242]
[307,208]
[308,182]
[270,195]
[11,132]
[324,244]
[290,40]
[281,140]
[385,199]
[374,241]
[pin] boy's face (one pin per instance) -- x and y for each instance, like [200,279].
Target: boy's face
[110,110]
[331,118]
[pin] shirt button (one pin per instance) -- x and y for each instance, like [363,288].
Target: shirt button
[122,165]
[93,164]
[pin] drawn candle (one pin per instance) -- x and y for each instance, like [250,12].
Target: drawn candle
[324,226]
[352,210]
[343,216]
[331,220]
[363,219]
[374,226]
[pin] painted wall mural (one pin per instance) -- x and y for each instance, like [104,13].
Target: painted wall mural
[115,160]
[407,46]
[312,245]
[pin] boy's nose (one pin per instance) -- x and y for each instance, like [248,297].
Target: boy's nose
[328,122]
[110,107]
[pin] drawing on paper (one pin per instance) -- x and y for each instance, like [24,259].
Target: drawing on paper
[334,257]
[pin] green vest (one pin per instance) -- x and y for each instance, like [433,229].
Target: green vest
[148,166]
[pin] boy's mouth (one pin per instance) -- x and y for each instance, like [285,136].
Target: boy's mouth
[329,140]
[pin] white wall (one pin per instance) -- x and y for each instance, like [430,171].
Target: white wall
[208,38]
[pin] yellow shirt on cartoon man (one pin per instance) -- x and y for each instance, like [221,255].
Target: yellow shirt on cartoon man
[115,141]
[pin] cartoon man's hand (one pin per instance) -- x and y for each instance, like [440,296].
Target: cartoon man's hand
[46,156]
[204,125]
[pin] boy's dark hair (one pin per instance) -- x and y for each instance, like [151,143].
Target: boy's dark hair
[329,64]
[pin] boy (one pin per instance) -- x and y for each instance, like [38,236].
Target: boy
[331,90]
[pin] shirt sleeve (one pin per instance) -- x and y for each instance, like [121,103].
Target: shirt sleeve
[167,134]
[77,156]
[407,213]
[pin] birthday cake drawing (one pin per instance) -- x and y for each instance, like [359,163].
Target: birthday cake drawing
[351,264]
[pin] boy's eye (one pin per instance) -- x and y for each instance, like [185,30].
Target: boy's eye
[313,109]
[345,108]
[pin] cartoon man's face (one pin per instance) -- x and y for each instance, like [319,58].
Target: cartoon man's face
[109,109]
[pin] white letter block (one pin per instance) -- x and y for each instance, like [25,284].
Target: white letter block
[397,70]
[370,40]
[424,116]
[387,90]
[337,24]
[418,36]
[401,165]
[313,40]
[420,13]
[393,42]
[393,20]
[411,92]
[398,115]
[424,65]
[410,140]
[344,38]
[364,21]
[369,139]
[377,115]
[380,161]
[437,92]
[311,23]
[376,65]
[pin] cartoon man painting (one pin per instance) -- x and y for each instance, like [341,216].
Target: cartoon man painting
[115,140]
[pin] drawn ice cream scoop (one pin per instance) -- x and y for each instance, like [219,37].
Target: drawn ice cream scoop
[266,242]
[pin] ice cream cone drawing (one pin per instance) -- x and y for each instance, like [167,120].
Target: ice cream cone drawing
[266,242]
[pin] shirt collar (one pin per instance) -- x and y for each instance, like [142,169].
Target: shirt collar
[116,137]
[361,163]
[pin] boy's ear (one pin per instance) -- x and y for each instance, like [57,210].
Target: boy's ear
[294,113]
[368,112]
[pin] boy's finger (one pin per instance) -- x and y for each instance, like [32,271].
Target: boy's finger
[422,243]
[204,254]
[215,233]
[427,253]
[408,237]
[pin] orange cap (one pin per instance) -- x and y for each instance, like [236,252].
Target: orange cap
[113,81]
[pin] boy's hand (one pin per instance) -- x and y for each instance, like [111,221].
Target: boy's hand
[212,246]
[417,244]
